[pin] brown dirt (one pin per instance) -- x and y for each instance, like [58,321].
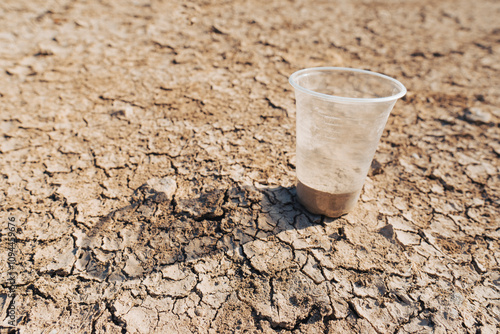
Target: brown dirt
[148,160]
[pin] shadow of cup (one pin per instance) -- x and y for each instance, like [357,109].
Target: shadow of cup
[158,231]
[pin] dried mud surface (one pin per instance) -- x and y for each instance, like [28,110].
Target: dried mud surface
[147,153]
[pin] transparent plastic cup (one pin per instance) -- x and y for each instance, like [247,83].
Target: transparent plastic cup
[341,114]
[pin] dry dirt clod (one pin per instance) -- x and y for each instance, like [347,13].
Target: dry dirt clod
[158,189]
[477,115]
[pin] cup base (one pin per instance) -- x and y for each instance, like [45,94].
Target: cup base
[324,203]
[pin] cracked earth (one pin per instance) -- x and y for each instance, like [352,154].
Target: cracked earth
[148,156]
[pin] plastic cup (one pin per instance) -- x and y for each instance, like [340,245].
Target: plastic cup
[341,114]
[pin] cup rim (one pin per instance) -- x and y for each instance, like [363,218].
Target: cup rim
[292,81]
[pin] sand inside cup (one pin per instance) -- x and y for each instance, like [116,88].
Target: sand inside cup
[324,203]
[326,186]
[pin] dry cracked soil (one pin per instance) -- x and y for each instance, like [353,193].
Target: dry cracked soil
[147,169]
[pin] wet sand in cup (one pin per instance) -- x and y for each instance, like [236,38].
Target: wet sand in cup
[324,203]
